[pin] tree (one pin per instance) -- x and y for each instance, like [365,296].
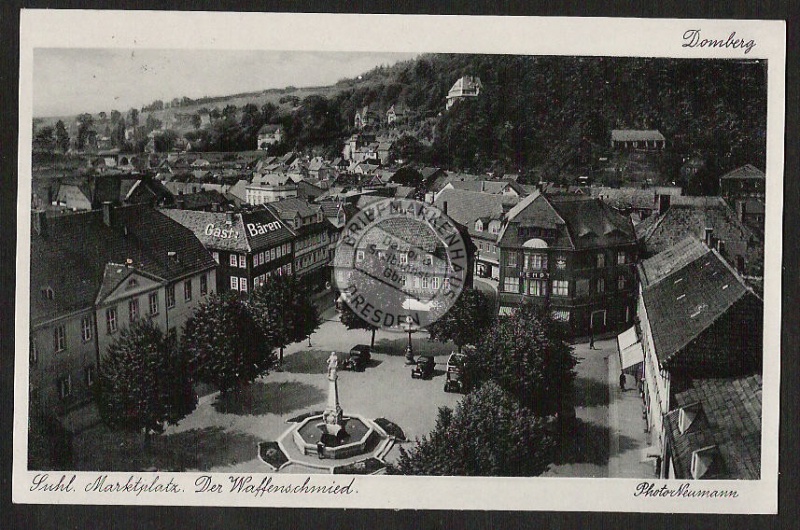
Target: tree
[466,322]
[44,137]
[527,355]
[141,384]
[225,345]
[85,126]
[488,434]
[352,320]
[133,117]
[62,136]
[407,148]
[284,311]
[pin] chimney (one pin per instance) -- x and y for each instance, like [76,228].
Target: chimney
[444,207]
[108,213]
[39,222]
[709,237]
[229,217]
[663,203]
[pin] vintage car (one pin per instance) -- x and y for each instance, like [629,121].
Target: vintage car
[358,358]
[423,369]
[454,374]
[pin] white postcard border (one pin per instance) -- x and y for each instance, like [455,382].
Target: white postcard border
[398,33]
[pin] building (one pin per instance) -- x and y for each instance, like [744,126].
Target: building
[510,190]
[697,319]
[466,87]
[743,182]
[710,220]
[248,247]
[366,117]
[270,187]
[483,216]
[94,273]
[637,140]
[397,113]
[714,431]
[576,254]
[311,242]
[268,135]
[638,203]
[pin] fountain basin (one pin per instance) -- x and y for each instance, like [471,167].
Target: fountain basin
[307,434]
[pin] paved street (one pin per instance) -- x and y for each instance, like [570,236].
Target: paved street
[609,433]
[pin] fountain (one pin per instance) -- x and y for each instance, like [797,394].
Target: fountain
[332,435]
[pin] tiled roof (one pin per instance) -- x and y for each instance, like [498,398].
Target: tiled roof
[748,171]
[655,269]
[630,135]
[622,198]
[287,208]
[687,302]
[729,419]
[465,207]
[691,216]
[72,256]
[238,237]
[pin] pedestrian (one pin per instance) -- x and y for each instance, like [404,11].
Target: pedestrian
[309,341]
[622,381]
[320,450]
[591,340]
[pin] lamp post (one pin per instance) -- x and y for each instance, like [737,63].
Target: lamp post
[408,326]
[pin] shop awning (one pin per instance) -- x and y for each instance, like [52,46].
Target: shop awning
[630,349]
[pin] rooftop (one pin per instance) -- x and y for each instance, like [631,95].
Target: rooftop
[655,269]
[728,419]
[748,171]
[71,258]
[632,135]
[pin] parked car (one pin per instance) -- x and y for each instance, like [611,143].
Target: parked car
[454,375]
[424,367]
[358,358]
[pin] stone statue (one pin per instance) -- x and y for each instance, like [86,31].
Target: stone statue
[333,364]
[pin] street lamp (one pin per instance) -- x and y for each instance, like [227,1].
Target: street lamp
[408,327]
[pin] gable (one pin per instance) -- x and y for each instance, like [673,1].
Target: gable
[120,282]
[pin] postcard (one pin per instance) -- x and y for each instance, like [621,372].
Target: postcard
[394,261]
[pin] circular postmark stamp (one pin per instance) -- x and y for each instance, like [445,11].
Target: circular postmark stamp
[400,264]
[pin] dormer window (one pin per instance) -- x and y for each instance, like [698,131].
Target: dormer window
[703,462]
[686,416]
[478,226]
[47,293]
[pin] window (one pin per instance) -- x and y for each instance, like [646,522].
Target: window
[64,387]
[511,285]
[170,296]
[242,261]
[204,284]
[403,258]
[243,284]
[86,329]
[511,260]
[537,287]
[90,373]
[273,253]
[560,288]
[435,282]
[560,316]
[601,260]
[601,285]
[622,258]
[60,338]
[233,261]
[621,283]
[425,282]
[47,293]
[359,255]
[111,319]
[34,351]
[132,283]
[234,283]
[153,303]
[256,261]
[535,261]
[215,255]
[187,290]
[133,309]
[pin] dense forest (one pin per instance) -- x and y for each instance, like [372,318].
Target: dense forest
[556,113]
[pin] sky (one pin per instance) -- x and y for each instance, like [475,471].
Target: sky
[68,82]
